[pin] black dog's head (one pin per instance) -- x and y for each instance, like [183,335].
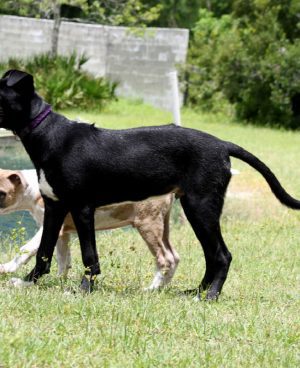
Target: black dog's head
[16,94]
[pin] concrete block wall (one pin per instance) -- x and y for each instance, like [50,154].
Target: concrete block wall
[87,39]
[24,37]
[141,62]
[138,59]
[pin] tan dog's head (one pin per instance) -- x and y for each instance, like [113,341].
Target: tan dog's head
[12,186]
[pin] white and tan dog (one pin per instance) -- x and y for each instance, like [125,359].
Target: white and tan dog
[19,190]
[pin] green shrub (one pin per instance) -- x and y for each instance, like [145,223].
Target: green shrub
[203,85]
[249,62]
[63,83]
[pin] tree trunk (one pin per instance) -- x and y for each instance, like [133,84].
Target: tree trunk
[55,30]
[208,5]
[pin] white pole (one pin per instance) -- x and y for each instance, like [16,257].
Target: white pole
[175,97]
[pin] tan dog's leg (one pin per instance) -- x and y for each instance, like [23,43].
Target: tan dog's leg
[166,239]
[27,251]
[166,257]
[63,254]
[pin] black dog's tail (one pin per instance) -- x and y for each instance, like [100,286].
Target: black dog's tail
[276,187]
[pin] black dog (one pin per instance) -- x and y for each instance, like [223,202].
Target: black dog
[81,167]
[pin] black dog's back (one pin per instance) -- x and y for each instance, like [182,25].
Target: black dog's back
[131,164]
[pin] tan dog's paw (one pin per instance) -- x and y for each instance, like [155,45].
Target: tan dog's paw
[16,282]
[8,267]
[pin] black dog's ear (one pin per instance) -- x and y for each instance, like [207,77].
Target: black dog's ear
[6,73]
[21,81]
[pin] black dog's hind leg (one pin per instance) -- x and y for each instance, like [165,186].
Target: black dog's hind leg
[55,213]
[203,213]
[84,222]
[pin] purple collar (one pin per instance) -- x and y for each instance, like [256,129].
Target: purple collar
[36,121]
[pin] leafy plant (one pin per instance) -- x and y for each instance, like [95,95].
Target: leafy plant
[250,61]
[63,83]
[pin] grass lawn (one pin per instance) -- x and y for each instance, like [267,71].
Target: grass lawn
[256,322]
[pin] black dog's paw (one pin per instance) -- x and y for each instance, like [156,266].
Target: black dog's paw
[202,295]
[212,296]
[87,284]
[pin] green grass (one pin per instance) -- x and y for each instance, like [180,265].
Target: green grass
[256,321]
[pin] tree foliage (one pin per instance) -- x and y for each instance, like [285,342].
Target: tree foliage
[250,57]
[112,12]
[121,12]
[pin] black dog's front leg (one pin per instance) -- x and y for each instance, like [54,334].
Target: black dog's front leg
[55,212]
[84,221]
